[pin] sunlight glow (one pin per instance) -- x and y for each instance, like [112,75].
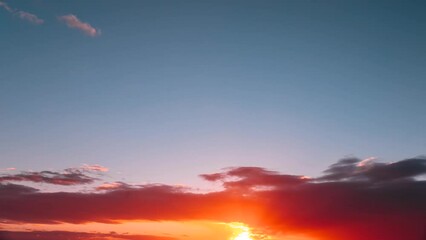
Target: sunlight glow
[243,236]
[241,232]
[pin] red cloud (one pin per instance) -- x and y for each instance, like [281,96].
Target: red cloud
[350,208]
[149,202]
[55,235]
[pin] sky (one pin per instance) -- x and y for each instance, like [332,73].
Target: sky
[100,99]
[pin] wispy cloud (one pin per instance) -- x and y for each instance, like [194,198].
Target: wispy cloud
[5,6]
[73,22]
[29,17]
[7,169]
[94,167]
[32,18]
[113,186]
[68,177]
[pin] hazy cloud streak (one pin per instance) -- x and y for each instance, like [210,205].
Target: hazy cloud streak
[5,6]
[29,17]
[22,14]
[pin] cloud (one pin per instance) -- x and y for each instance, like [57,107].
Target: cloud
[148,202]
[29,17]
[70,176]
[9,169]
[113,186]
[22,14]
[253,177]
[6,7]
[351,202]
[13,189]
[55,235]
[94,167]
[354,169]
[73,22]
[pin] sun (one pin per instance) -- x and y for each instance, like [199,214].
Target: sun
[243,236]
[241,232]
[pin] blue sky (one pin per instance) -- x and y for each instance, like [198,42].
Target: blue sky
[166,90]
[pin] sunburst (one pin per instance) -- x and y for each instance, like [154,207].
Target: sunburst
[243,236]
[241,232]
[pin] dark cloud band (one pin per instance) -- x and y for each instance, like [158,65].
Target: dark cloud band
[352,201]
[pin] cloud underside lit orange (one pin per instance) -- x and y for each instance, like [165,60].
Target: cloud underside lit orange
[351,201]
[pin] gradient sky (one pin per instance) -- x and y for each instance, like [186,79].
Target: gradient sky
[170,89]
[99,100]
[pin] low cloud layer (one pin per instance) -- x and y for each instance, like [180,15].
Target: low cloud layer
[354,200]
[32,18]
[57,235]
[73,22]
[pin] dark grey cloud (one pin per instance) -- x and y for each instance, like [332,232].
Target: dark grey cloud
[354,169]
[253,177]
[70,176]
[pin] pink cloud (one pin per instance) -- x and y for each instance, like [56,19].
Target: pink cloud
[7,169]
[113,186]
[29,17]
[73,22]
[94,167]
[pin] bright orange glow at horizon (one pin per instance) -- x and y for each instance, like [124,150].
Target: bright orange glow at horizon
[241,231]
